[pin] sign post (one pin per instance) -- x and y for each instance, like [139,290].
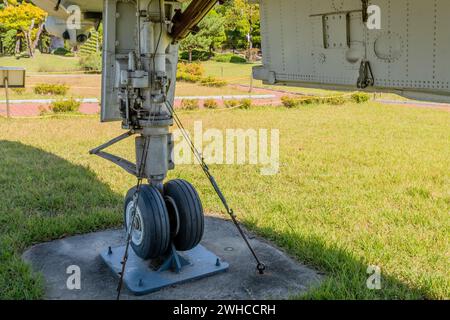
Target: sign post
[8,112]
[12,78]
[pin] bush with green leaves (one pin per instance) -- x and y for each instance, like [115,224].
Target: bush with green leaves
[293,102]
[213,82]
[190,72]
[290,102]
[63,52]
[336,100]
[19,91]
[307,100]
[8,39]
[245,104]
[231,103]
[92,62]
[62,106]
[51,89]
[210,104]
[195,69]
[187,77]
[230,58]
[189,104]
[360,97]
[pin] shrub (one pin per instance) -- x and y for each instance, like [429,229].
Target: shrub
[233,103]
[8,40]
[19,91]
[229,57]
[190,72]
[245,104]
[49,88]
[290,102]
[195,69]
[310,100]
[189,104]
[210,104]
[63,52]
[183,76]
[70,105]
[92,62]
[213,82]
[360,97]
[337,101]
[237,59]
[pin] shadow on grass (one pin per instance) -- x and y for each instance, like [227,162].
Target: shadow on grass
[345,274]
[44,197]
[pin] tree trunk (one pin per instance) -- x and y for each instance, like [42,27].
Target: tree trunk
[38,36]
[28,42]
[28,39]
[190,55]
[17,49]
[250,38]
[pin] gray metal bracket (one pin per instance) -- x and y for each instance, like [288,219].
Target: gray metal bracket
[124,164]
[140,278]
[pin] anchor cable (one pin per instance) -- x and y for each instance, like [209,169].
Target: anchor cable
[259,265]
[130,227]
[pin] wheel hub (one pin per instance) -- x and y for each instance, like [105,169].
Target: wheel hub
[137,235]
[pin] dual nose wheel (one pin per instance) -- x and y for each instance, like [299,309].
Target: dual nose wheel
[176,216]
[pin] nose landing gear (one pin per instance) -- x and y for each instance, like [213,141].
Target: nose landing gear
[168,227]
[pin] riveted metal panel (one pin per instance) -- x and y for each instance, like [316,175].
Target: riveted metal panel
[321,43]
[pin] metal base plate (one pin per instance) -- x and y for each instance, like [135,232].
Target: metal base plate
[140,278]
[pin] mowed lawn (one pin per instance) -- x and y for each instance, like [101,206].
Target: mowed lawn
[359,185]
[43,63]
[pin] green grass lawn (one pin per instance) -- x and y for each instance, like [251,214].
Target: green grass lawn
[359,185]
[43,63]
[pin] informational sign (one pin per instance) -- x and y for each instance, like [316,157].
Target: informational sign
[11,77]
[15,77]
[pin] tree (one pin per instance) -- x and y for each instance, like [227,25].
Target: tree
[27,19]
[242,24]
[213,28]
[211,32]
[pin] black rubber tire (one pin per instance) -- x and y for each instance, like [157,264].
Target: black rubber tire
[155,225]
[190,211]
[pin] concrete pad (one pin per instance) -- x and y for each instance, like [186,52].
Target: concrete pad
[283,279]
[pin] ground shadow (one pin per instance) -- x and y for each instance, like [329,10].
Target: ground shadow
[346,276]
[45,197]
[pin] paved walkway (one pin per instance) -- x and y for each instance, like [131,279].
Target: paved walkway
[29,108]
[259,96]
